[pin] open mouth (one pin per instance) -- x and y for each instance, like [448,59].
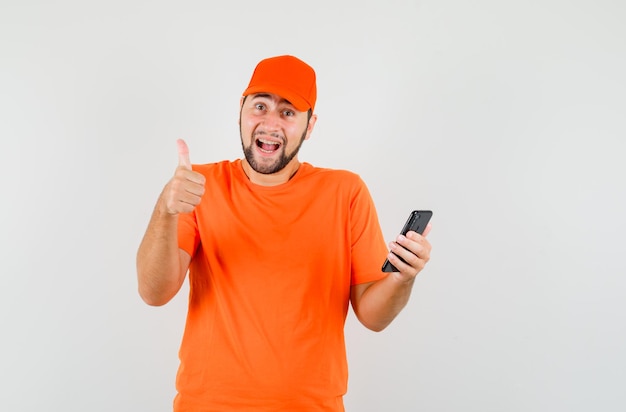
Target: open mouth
[267,146]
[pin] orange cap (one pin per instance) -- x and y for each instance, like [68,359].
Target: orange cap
[287,76]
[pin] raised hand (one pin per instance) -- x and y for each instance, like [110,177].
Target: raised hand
[183,154]
[414,249]
[184,191]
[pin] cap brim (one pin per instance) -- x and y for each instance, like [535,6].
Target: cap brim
[296,100]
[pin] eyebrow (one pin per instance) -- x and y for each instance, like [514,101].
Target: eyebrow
[268,96]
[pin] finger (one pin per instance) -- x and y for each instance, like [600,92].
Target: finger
[191,199]
[183,154]
[405,268]
[181,195]
[427,230]
[410,256]
[195,188]
[190,175]
[182,206]
[186,181]
[415,244]
[415,238]
[413,235]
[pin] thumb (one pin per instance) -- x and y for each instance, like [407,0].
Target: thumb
[183,154]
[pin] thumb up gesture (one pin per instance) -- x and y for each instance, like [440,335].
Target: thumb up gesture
[184,191]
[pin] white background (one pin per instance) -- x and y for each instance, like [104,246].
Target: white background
[504,118]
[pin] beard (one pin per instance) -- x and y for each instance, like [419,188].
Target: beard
[269,168]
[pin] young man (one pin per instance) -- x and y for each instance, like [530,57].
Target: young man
[276,249]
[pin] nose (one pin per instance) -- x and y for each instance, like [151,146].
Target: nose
[272,120]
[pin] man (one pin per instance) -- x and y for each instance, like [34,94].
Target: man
[276,249]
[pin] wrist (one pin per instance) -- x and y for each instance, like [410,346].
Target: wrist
[403,280]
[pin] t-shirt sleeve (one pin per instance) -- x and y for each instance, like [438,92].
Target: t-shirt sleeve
[369,249]
[188,235]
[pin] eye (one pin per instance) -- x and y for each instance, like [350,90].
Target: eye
[259,106]
[288,113]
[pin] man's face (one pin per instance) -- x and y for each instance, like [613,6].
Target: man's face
[272,131]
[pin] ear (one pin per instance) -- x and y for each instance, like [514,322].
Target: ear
[310,126]
[241,100]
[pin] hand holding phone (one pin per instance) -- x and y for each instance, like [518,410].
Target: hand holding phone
[417,221]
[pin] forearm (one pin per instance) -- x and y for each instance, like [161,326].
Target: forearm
[161,265]
[159,271]
[377,304]
[383,300]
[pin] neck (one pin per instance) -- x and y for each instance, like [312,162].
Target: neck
[274,179]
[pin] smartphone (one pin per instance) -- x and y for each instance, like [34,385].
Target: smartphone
[417,221]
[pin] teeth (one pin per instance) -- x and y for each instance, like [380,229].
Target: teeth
[268,142]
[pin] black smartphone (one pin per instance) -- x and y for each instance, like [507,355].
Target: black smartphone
[417,221]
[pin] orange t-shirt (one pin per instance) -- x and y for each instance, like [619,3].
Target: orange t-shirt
[270,280]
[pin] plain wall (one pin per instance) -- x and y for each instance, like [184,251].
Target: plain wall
[504,118]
